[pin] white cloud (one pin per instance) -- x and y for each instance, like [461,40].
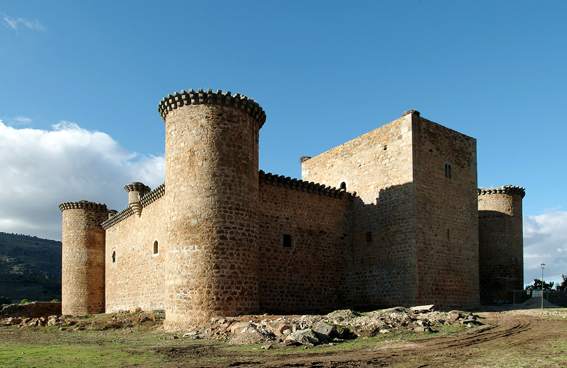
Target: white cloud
[22,23]
[42,168]
[545,241]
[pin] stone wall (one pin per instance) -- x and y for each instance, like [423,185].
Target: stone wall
[306,274]
[380,268]
[501,243]
[447,218]
[135,278]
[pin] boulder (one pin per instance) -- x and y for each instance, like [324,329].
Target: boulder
[324,331]
[304,337]
[250,333]
[423,308]
[454,315]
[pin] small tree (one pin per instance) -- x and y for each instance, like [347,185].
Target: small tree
[537,285]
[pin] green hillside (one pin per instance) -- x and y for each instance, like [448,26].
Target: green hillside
[30,268]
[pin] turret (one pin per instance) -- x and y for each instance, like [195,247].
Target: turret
[501,254]
[82,287]
[136,191]
[211,176]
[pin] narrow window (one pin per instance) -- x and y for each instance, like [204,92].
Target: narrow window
[369,236]
[448,234]
[448,171]
[113,256]
[156,247]
[286,240]
[343,186]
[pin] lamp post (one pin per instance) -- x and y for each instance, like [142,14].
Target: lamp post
[542,284]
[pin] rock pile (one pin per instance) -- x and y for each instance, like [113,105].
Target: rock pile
[338,326]
[306,330]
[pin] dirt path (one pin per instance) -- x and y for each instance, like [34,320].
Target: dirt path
[502,332]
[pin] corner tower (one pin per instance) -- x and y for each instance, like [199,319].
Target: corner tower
[211,177]
[501,253]
[83,241]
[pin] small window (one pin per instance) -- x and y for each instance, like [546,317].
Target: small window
[448,171]
[113,256]
[286,241]
[448,234]
[342,186]
[369,236]
[156,247]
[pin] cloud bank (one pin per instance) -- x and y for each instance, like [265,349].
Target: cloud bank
[545,241]
[42,168]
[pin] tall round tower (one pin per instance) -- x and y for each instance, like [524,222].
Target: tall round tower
[211,178]
[83,241]
[501,243]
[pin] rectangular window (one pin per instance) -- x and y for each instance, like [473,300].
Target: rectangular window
[369,236]
[448,171]
[286,240]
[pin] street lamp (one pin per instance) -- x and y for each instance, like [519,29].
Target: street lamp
[542,284]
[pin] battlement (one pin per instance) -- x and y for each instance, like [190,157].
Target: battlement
[218,97]
[154,195]
[506,189]
[304,186]
[127,212]
[87,205]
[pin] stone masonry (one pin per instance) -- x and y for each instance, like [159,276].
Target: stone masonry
[388,218]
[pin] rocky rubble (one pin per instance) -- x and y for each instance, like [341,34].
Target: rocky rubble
[306,330]
[98,322]
[335,327]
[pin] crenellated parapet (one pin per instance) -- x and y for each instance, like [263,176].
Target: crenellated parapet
[153,196]
[304,186]
[83,205]
[218,97]
[125,213]
[506,189]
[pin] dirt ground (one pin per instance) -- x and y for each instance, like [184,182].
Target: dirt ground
[508,339]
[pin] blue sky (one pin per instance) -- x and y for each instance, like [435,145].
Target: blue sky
[324,71]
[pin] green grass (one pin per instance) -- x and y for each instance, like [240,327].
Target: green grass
[50,347]
[28,355]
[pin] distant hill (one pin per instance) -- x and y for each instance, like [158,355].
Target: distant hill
[30,268]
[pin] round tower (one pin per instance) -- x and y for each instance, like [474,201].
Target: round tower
[501,244]
[211,177]
[83,241]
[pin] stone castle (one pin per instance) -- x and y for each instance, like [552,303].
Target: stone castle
[392,217]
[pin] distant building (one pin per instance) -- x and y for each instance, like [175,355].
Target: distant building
[392,217]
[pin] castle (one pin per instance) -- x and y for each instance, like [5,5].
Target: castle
[392,217]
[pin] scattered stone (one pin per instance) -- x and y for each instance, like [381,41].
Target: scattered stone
[267,346]
[324,330]
[423,308]
[304,337]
